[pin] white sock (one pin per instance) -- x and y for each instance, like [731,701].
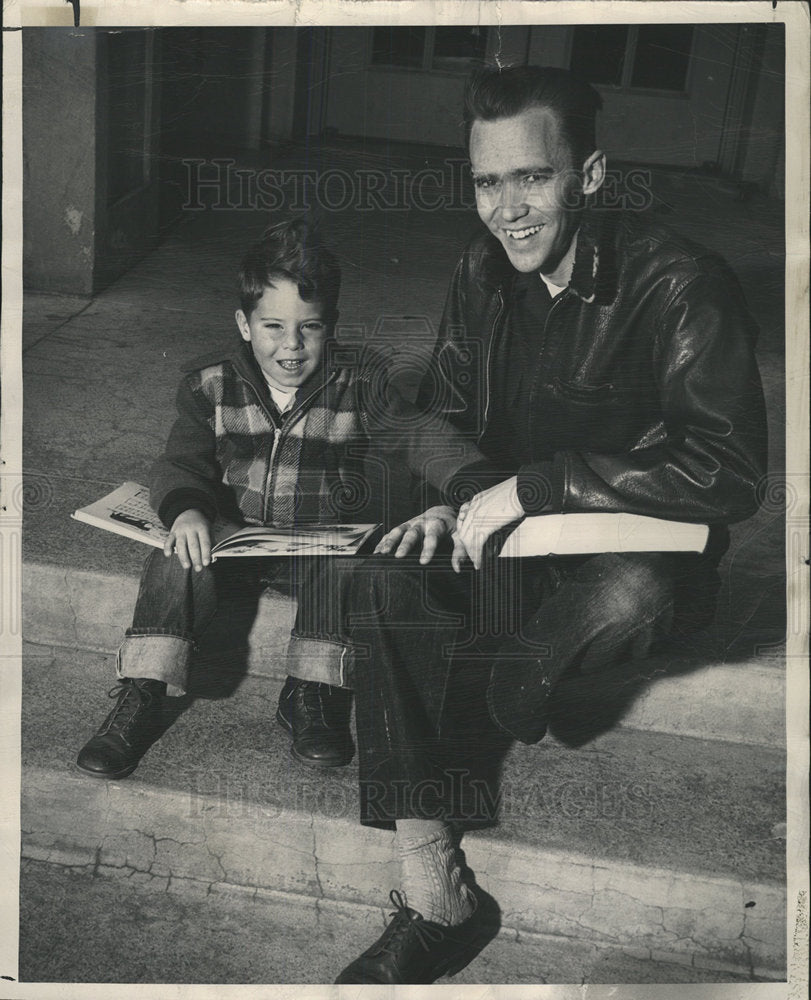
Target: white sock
[432,881]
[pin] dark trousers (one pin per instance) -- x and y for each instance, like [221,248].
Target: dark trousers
[409,623]
[176,605]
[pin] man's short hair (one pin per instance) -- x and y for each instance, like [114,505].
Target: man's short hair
[291,250]
[493,92]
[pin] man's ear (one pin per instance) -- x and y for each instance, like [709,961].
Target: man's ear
[242,324]
[594,172]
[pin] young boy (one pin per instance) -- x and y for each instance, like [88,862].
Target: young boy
[270,433]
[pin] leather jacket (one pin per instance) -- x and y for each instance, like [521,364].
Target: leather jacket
[646,395]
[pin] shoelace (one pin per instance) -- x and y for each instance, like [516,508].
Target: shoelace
[305,701]
[122,691]
[403,921]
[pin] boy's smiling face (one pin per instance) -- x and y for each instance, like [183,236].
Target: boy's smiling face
[286,334]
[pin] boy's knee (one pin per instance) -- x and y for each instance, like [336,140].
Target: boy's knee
[159,568]
[164,574]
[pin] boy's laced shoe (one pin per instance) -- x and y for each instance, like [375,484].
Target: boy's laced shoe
[317,715]
[128,731]
[413,950]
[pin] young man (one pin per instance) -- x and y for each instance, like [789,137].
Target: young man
[272,432]
[601,363]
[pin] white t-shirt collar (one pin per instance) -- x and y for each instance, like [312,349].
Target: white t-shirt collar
[555,290]
[283,398]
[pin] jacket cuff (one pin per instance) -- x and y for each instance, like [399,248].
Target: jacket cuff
[536,492]
[185,498]
[470,480]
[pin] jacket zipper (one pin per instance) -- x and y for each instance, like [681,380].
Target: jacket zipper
[278,434]
[556,302]
[492,343]
[496,318]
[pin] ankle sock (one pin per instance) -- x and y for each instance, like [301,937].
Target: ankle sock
[431,879]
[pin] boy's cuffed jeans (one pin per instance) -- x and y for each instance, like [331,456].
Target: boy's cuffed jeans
[176,605]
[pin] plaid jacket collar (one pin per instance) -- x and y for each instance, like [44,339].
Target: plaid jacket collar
[242,359]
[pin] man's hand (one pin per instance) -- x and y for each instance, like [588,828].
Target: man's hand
[485,513]
[190,538]
[425,530]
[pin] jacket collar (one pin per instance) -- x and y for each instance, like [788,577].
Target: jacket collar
[246,365]
[594,276]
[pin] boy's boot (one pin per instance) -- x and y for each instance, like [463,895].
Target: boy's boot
[317,715]
[128,731]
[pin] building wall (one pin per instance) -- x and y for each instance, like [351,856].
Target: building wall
[79,232]
[59,155]
[425,106]
[401,105]
[762,159]
[127,166]
[652,127]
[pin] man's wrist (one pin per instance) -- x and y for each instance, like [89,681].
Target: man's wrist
[514,505]
[470,480]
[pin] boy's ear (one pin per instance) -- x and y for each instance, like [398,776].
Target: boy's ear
[242,324]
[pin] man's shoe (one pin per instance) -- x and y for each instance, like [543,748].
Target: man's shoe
[128,731]
[413,950]
[317,715]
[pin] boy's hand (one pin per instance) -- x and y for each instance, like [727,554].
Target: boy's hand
[190,538]
[425,530]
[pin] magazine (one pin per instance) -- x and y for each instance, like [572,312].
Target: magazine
[127,511]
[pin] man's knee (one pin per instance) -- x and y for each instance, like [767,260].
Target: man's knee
[398,592]
[632,586]
[632,607]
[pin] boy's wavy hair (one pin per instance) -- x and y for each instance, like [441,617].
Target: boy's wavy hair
[493,92]
[292,250]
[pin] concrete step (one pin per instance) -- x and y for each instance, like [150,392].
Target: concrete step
[663,847]
[696,690]
[159,930]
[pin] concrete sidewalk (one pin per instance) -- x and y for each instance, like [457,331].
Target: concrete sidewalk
[669,849]
[255,938]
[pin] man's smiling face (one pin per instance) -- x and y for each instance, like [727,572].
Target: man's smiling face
[527,187]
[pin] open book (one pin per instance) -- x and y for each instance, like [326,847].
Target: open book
[126,511]
[577,534]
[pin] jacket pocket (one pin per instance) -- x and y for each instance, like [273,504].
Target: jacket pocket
[585,392]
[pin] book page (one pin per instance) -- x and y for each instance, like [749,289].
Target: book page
[126,511]
[574,534]
[313,540]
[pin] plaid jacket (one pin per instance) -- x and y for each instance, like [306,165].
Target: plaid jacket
[230,453]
